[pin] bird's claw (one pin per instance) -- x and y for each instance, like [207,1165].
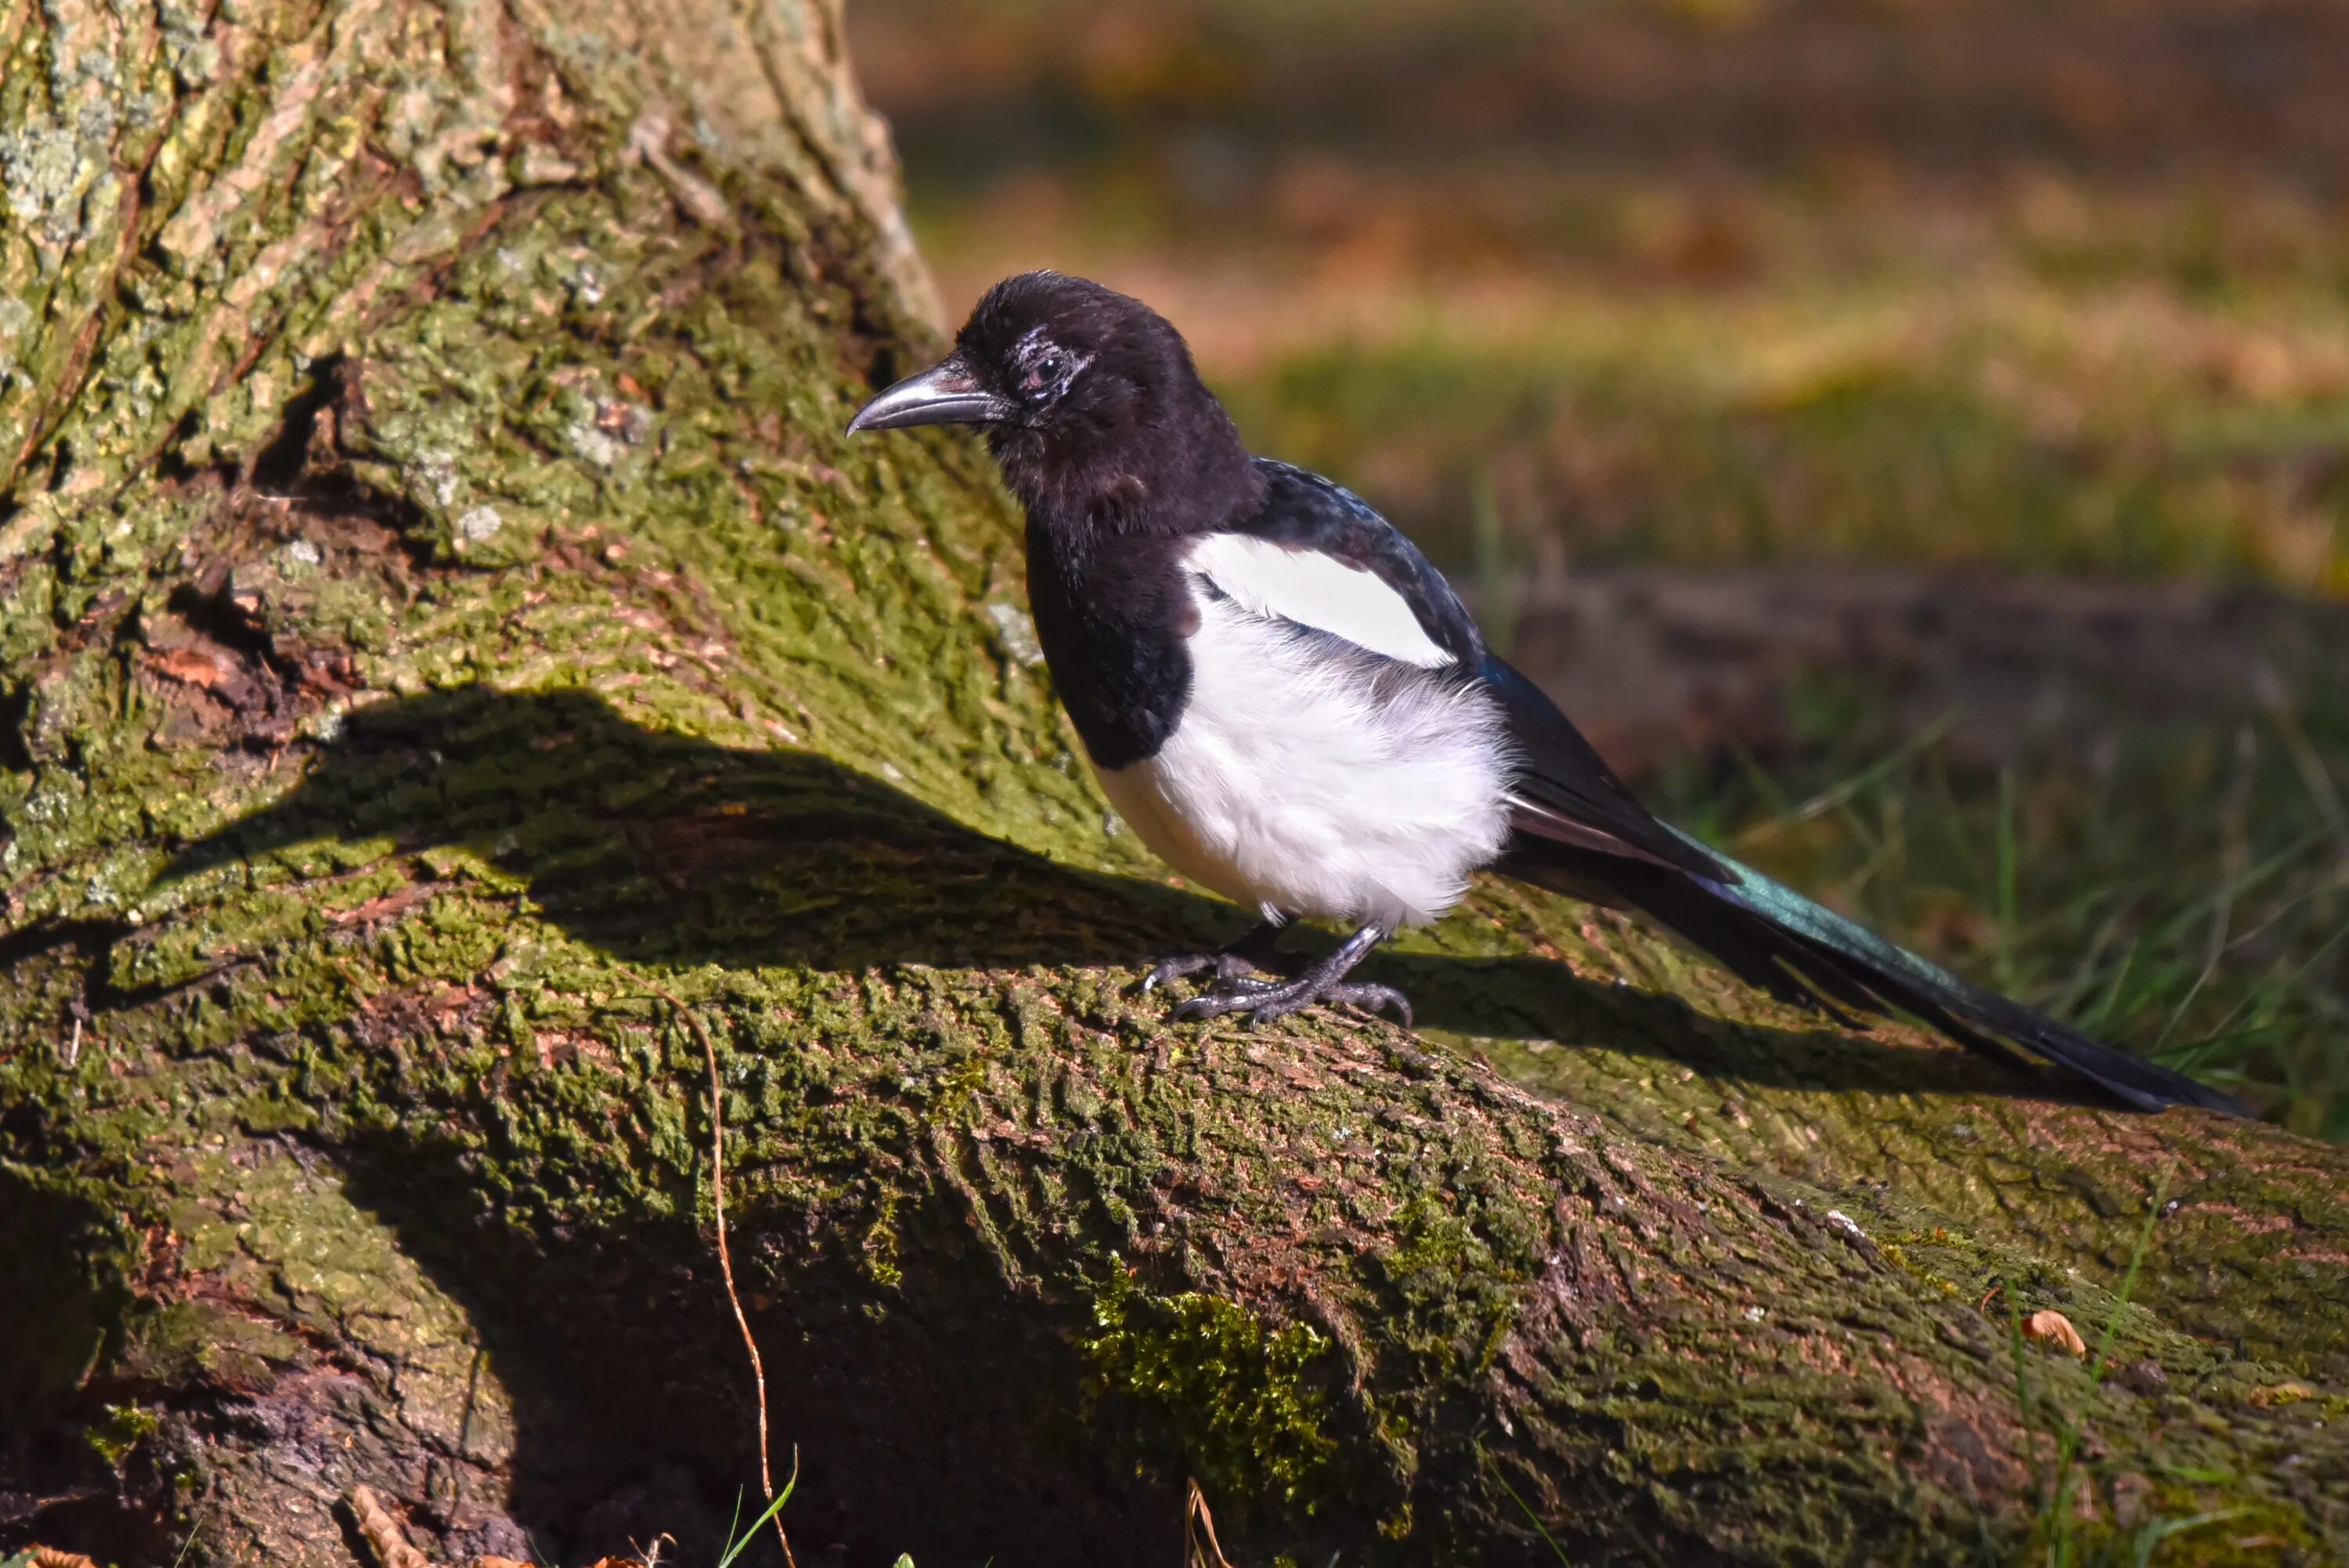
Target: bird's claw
[1231,969]
[1263,1001]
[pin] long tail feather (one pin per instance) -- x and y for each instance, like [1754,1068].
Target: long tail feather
[1777,940]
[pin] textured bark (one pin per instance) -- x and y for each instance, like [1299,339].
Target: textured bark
[440,618]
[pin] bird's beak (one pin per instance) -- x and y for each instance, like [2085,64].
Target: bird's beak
[947,393]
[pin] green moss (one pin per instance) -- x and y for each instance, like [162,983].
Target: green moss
[1248,1405]
[1457,1292]
[881,1244]
[124,1429]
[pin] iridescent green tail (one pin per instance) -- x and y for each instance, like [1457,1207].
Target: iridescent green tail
[1776,939]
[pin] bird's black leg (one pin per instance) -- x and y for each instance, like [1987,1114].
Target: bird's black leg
[1325,982]
[1235,964]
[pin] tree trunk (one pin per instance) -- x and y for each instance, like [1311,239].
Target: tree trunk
[443,625]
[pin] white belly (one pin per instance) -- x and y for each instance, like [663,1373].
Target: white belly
[1292,784]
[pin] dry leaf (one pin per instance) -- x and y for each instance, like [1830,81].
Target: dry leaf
[188,666]
[2056,1329]
[500,1563]
[2282,1394]
[51,1557]
[382,1532]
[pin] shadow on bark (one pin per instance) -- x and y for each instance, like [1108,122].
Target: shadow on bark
[630,1408]
[667,849]
[944,1426]
[53,1301]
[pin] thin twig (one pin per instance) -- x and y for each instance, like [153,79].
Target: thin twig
[725,1258]
[2235,868]
[1200,1549]
[2270,689]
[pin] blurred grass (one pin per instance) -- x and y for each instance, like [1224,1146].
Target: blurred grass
[2187,896]
[2016,430]
[2054,285]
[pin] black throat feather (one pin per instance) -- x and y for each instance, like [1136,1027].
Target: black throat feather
[1141,460]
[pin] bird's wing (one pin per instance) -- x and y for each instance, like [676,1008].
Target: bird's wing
[1316,554]
[1564,791]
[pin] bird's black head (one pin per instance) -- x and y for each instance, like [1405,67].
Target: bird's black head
[1090,403]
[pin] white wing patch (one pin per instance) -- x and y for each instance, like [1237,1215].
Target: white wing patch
[1317,590]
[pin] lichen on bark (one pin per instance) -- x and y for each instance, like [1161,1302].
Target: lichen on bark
[442,620]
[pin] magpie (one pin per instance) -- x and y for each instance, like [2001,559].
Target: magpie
[1293,709]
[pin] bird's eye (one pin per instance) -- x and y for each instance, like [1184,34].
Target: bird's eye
[1048,369]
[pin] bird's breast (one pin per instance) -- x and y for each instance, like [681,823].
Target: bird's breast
[1309,777]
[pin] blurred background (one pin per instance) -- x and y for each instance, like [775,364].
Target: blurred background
[1911,435]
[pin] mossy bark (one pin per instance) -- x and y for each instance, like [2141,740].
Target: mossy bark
[442,623]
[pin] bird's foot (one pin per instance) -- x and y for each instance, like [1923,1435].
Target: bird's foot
[1237,990]
[1263,1001]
